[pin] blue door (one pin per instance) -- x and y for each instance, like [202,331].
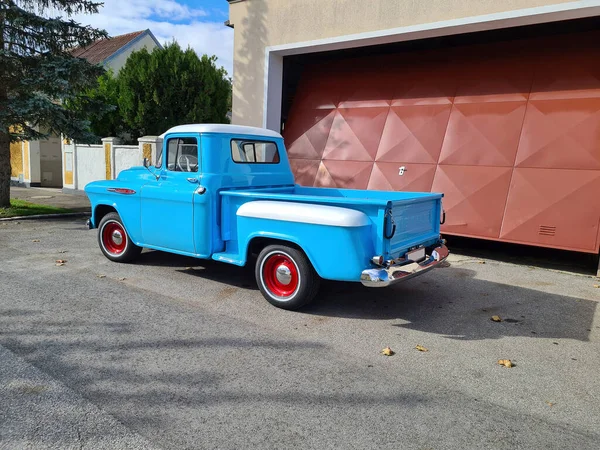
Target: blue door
[167,216]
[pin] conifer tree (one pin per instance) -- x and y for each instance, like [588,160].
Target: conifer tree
[38,75]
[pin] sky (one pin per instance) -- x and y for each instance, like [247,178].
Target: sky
[197,23]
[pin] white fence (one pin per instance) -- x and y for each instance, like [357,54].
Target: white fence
[89,164]
[126,156]
[85,163]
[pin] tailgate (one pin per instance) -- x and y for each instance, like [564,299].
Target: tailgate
[417,223]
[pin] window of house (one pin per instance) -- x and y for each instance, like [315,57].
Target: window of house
[182,154]
[254,152]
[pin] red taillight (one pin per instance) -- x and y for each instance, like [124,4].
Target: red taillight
[377,260]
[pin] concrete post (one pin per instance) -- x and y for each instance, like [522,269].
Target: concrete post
[108,143]
[150,146]
[68,163]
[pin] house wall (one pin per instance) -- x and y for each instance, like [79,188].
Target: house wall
[259,24]
[16,159]
[116,62]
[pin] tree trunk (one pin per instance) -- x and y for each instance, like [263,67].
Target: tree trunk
[4,170]
[4,136]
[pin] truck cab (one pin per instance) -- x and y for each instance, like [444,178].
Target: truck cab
[227,192]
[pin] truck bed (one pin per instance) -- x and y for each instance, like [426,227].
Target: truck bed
[416,215]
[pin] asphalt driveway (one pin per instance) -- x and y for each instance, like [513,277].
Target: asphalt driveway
[174,353]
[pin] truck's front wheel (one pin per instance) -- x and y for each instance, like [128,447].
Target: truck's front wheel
[114,240]
[286,277]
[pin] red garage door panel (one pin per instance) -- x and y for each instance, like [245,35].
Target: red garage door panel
[561,134]
[305,170]
[485,134]
[384,177]
[475,198]
[355,134]
[414,133]
[344,174]
[308,134]
[550,206]
[509,132]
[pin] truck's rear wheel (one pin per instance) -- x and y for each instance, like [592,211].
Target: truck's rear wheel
[286,277]
[114,240]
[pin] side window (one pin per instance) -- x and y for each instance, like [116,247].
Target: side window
[182,155]
[158,164]
[254,152]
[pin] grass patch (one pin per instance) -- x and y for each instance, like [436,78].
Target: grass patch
[23,208]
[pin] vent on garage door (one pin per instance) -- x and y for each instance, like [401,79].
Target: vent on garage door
[546,230]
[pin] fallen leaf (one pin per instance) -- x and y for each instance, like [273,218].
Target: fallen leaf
[387,351]
[597,286]
[62,251]
[506,363]
[421,348]
[121,279]
[61,261]
[36,240]
[101,276]
[496,319]
[550,404]
[481,262]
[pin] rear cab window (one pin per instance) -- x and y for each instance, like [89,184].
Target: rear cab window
[251,151]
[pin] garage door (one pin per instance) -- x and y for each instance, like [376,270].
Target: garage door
[509,132]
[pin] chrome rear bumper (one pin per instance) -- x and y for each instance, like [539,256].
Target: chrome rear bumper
[386,276]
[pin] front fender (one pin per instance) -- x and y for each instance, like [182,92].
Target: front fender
[125,200]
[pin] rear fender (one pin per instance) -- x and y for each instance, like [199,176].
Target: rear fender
[321,244]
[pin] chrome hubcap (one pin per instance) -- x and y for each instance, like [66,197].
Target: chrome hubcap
[284,275]
[117,237]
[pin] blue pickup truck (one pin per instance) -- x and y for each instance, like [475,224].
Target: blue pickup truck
[227,193]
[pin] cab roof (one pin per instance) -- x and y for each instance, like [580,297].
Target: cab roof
[222,128]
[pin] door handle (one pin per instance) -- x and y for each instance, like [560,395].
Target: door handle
[193,180]
[201,190]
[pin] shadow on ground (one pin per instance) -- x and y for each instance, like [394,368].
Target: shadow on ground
[451,302]
[527,255]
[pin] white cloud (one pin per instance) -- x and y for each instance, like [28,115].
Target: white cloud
[168,20]
[169,9]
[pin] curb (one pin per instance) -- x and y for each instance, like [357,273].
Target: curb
[46,216]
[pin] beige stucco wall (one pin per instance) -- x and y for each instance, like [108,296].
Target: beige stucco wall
[118,62]
[263,23]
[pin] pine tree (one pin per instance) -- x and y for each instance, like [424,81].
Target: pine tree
[38,75]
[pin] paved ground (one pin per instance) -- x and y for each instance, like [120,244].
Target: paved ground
[52,197]
[178,353]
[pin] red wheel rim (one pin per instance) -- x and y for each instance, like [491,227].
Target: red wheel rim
[280,275]
[114,238]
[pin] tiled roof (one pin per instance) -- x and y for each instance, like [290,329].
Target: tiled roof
[100,50]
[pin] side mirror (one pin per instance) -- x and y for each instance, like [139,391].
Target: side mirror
[147,166]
